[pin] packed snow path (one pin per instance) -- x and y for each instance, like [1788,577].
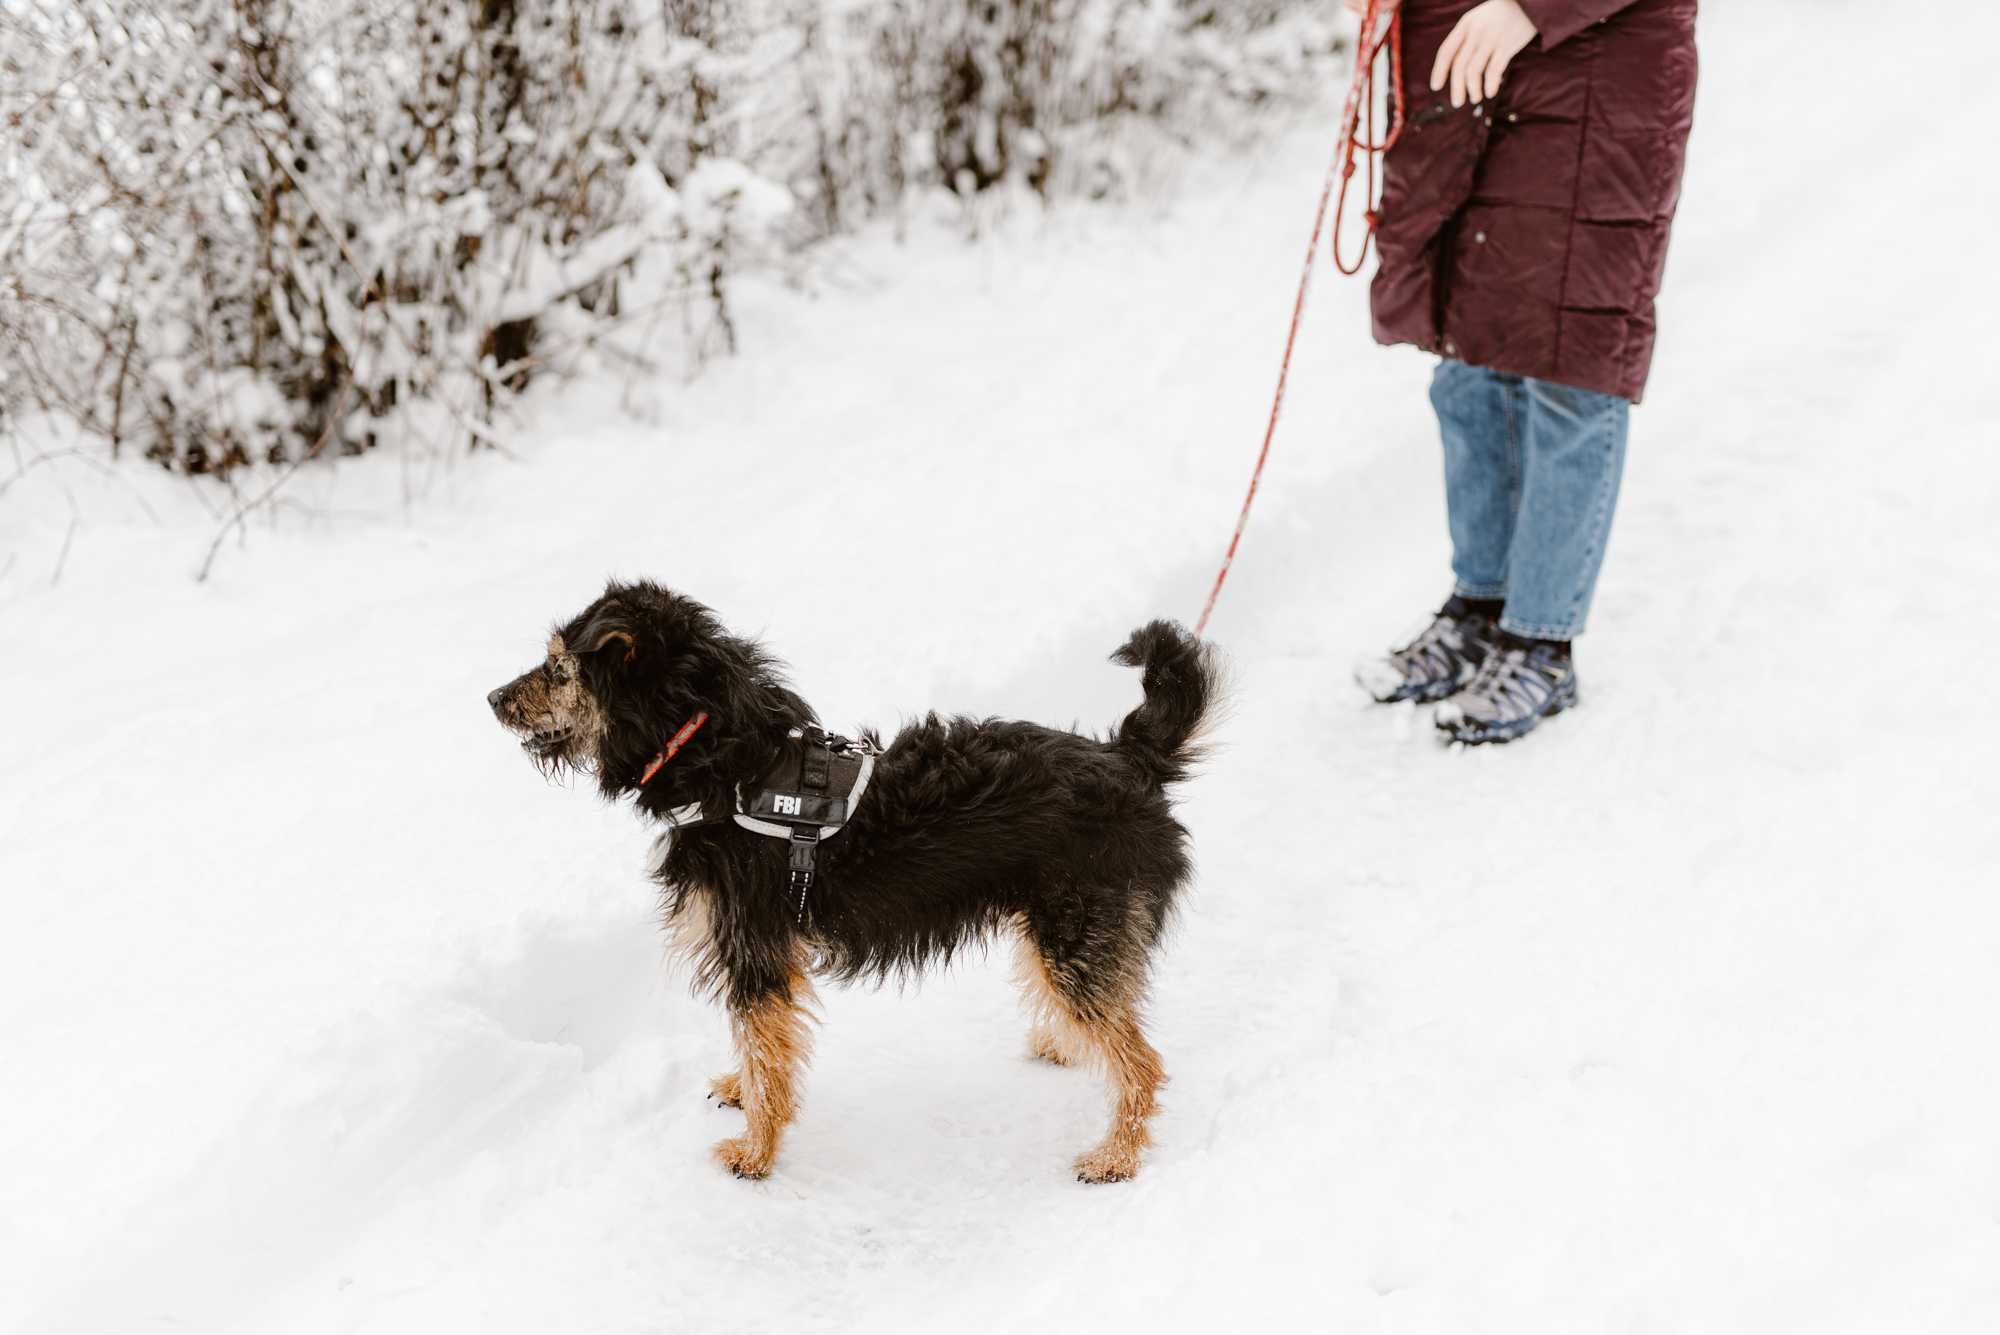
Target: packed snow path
[320,1012]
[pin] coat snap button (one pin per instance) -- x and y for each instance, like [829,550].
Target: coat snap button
[1450,347]
[1480,237]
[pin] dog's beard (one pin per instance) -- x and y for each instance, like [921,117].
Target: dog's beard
[560,725]
[559,751]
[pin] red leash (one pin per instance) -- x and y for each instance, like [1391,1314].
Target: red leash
[1360,90]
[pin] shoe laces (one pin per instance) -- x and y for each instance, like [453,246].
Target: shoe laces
[1511,682]
[1441,646]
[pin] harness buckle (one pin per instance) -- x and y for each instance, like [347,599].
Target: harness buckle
[804,844]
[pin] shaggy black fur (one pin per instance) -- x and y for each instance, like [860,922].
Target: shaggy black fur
[967,827]
[965,824]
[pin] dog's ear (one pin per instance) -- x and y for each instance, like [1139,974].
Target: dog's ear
[607,626]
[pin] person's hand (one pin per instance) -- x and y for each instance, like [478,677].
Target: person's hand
[1475,56]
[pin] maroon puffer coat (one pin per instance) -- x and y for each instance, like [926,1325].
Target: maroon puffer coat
[1528,235]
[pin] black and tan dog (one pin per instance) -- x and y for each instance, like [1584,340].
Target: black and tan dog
[969,829]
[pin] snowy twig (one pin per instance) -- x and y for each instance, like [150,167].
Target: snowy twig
[242,512]
[62,557]
[50,456]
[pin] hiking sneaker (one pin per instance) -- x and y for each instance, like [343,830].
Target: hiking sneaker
[1521,683]
[1436,663]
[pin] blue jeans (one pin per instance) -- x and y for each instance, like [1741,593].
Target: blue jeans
[1531,473]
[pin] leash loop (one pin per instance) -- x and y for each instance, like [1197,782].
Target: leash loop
[1368,51]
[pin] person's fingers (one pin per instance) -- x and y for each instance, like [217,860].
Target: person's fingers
[1465,70]
[1442,66]
[1485,79]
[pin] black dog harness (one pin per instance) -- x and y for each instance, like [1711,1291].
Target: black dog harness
[806,797]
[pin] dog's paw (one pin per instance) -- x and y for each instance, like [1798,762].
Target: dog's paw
[727,1090]
[742,1158]
[1045,1044]
[1107,1164]
[1043,1048]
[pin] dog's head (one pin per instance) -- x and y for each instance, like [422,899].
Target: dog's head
[630,670]
[555,707]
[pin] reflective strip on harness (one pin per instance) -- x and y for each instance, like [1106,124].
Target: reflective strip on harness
[689,814]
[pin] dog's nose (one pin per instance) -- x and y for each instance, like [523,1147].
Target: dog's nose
[497,697]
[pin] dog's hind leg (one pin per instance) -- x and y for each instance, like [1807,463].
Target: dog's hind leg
[727,1089]
[1089,1010]
[1049,1025]
[772,1042]
[1117,1039]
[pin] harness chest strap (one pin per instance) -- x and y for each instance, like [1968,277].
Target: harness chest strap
[815,773]
[804,851]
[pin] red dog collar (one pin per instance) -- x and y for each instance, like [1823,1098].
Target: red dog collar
[674,744]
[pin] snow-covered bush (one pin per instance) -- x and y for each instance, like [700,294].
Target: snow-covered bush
[1065,96]
[259,225]
[254,230]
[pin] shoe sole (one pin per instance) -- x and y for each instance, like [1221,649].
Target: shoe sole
[1502,733]
[1426,695]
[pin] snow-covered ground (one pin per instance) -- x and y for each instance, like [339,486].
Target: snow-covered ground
[319,1011]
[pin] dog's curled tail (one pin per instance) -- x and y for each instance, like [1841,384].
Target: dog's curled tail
[1182,685]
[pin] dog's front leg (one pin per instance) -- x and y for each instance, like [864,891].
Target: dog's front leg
[772,1043]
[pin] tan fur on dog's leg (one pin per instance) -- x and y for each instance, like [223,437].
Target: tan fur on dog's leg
[1136,1077]
[727,1089]
[773,1042]
[1044,1042]
[1048,1019]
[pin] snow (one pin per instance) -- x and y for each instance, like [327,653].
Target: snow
[319,1011]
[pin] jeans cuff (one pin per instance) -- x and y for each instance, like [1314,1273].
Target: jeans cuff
[1484,592]
[1530,631]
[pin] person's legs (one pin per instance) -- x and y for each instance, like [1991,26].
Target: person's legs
[1573,454]
[1531,480]
[1481,420]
